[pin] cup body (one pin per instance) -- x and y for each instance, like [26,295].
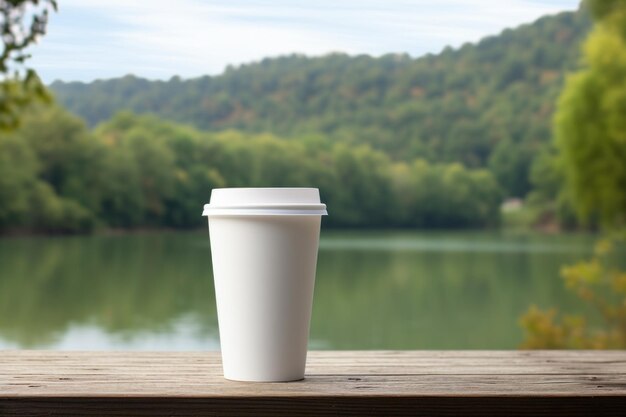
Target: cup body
[264,274]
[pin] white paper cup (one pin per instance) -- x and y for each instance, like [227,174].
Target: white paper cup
[264,244]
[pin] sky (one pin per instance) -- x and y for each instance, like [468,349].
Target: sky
[158,39]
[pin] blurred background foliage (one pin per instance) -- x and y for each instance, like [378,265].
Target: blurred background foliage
[599,282]
[140,171]
[432,142]
[590,127]
[484,105]
[22,23]
[438,141]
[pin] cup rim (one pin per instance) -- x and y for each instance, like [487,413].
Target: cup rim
[291,209]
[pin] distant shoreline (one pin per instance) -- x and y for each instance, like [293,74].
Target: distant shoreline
[96,232]
[539,229]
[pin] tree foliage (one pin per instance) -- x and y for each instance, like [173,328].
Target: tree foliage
[591,120]
[591,140]
[601,284]
[139,171]
[484,105]
[19,85]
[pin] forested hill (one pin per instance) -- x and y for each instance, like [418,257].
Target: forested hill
[485,104]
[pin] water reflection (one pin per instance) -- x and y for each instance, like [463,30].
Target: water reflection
[117,284]
[374,290]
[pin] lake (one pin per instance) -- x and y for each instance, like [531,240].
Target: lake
[374,290]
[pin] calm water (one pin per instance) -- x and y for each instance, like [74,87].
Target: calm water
[374,290]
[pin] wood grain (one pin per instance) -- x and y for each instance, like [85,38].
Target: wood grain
[438,383]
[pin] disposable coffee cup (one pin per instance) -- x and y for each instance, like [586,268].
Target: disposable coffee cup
[264,244]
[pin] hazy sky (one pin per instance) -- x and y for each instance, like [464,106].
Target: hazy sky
[89,39]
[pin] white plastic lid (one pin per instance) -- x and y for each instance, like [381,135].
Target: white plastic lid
[265,201]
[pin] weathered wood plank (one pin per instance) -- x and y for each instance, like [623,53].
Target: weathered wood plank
[318,406]
[358,383]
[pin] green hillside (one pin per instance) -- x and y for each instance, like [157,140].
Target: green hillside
[486,105]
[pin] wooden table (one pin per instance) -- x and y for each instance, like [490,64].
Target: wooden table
[364,383]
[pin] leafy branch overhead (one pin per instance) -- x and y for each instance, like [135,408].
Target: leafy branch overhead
[22,23]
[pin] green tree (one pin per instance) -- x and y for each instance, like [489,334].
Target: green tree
[47,167]
[18,173]
[140,171]
[452,107]
[590,123]
[510,163]
[446,196]
[19,85]
[590,129]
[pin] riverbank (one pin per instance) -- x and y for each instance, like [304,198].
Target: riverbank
[523,222]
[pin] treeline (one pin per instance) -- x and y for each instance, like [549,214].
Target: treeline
[140,171]
[485,105]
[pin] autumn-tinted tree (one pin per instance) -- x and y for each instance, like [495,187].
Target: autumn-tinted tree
[591,139]
[484,105]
